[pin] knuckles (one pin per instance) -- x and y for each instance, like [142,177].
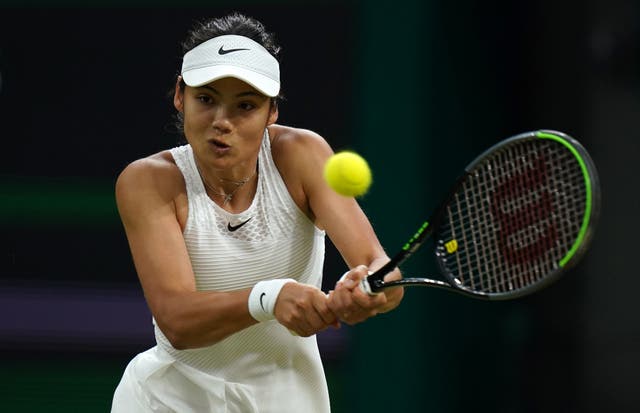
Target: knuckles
[308,310]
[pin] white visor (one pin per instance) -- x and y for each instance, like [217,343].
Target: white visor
[232,56]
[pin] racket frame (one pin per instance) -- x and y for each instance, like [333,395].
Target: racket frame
[374,283]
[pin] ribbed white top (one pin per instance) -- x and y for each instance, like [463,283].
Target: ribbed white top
[283,372]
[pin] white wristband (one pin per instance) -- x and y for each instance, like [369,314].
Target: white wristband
[263,297]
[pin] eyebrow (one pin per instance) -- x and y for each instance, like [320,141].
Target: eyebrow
[239,95]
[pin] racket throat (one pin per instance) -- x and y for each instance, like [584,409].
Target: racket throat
[378,285]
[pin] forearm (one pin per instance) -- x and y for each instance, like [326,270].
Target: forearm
[200,318]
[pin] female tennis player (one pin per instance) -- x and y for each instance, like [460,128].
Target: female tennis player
[227,236]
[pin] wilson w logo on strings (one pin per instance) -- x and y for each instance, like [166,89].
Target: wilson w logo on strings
[523,206]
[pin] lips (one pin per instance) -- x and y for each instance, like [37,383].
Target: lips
[219,144]
[219,147]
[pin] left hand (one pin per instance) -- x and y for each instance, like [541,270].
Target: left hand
[350,303]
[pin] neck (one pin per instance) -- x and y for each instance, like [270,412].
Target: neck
[223,187]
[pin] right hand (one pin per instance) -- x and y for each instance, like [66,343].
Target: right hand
[304,309]
[352,304]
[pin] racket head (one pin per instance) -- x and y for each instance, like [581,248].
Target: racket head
[522,214]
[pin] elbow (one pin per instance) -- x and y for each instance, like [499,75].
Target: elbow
[180,339]
[186,329]
[175,332]
[173,324]
[177,341]
[182,336]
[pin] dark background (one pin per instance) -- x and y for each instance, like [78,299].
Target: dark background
[419,88]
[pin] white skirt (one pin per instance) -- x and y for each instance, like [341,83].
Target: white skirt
[155,382]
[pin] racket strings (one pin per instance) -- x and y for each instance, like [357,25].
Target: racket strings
[514,218]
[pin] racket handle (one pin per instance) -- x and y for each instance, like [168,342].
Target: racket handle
[364,284]
[366,287]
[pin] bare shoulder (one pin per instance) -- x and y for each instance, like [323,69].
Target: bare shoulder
[147,182]
[296,147]
[293,147]
[299,155]
[157,171]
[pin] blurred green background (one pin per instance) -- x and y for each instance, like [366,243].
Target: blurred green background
[419,88]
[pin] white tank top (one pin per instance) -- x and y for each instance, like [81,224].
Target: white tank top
[272,239]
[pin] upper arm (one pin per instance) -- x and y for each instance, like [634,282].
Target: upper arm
[302,159]
[145,193]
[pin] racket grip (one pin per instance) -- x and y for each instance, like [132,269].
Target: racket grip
[364,284]
[366,287]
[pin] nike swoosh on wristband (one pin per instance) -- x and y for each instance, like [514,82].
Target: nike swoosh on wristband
[262,305]
[222,51]
[236,227]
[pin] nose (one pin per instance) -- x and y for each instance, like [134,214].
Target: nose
[220,121]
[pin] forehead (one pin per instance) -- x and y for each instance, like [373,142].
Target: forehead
[231,86]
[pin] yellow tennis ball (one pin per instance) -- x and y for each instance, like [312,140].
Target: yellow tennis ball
[348,174]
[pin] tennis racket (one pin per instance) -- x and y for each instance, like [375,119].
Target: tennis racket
[520,215]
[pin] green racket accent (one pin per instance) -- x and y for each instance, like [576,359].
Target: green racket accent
[416,236]
[511,223]
[587,215]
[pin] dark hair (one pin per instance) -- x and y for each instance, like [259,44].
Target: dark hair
[234,23]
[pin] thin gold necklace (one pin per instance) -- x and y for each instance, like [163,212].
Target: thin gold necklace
[227,197]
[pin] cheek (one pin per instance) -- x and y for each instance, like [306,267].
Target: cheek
[253,124]
[194,120]
[194,130]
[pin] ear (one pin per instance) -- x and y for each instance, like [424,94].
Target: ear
[273,114]
[178,96]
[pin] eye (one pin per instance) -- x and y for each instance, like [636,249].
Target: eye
[247,106]
[204,99]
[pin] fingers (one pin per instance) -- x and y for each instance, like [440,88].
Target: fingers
[304,310]
[322,309]
[350,303]
[394,295]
